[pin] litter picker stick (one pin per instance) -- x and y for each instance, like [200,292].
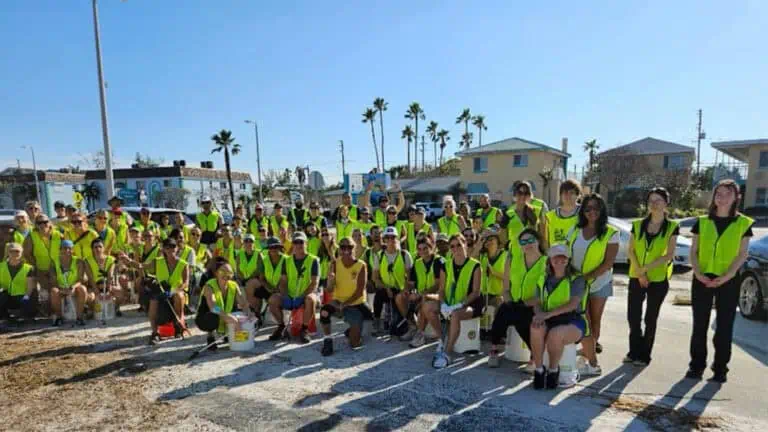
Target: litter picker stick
[203,349]
[181,324]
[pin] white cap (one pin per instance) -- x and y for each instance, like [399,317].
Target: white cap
[20,213]
[559,250]
[205,199]
[390,231]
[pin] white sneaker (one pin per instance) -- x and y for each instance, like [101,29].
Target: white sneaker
[588,370]
[530,367]
[440,360]
[418,340]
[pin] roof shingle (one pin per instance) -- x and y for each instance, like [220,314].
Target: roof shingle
[650,146]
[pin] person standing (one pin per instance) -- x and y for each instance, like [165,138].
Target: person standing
[41,248]
[346,200]
[344,225]
[720,246]
[82,236]
[258,220]
[315,217]
[521,216]
[450,223]
[593,245]
[488,214]
[298,217]
[418,226]
[561,220]
[278,222]
[105,232]
[651,252]
[208,221]
[116,211]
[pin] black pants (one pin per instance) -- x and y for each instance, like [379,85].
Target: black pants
[28,309]
[641,343]
[512,314]
[379,299]
[725,298]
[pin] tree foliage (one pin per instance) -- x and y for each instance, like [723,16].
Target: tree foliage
[146,161]
[176,198]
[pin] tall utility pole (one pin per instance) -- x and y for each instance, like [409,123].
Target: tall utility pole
[258,157]
[103,101]
[422,154]
[699,136]
[34,169]
[343,169]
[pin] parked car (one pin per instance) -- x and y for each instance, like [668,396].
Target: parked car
[434,209]
[753,295]
[157,214]
[682,251]
[686,225]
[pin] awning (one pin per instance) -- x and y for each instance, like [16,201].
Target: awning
[477,188]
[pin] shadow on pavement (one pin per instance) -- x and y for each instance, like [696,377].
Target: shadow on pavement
[665,414]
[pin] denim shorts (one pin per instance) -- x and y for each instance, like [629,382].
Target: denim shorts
[571,319]
[605,292]
[355,315]
[292,303]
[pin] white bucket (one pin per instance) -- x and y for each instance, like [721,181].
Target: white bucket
[486,320]
[105,307]
[516,350]
[369,299]
[68,309]
[469,336]
[569,372]
[241,340]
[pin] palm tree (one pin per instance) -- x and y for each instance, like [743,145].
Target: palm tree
[479,122]
[381,105]
[466,140]
[415,113]
[547,175]
[432,132]
[443,137]
[225,141]
[408,135]
[591,147]
[369,115]
[465,117]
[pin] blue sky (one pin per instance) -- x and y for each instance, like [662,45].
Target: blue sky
[178,71]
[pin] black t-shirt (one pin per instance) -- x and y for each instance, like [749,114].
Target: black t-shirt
[457,272]
[650,236]
[721,223]
[438,264]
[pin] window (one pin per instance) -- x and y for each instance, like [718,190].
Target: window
[520,161]
[764,159]
[760,198]
[242,186]
[222,185]
[674,162]
[166,183]
[210,185]
[480,165]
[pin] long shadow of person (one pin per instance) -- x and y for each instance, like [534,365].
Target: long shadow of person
[665,414]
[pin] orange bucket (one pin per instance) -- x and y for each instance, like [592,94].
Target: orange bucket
[166,330]
[297,318]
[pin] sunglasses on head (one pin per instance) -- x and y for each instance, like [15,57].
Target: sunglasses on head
[527,241]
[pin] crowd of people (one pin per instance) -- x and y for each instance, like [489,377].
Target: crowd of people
[547,273]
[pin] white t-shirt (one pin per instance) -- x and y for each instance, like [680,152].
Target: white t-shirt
[407,261]
[580,246]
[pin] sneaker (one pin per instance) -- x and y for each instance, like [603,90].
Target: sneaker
[694,374]
[539,378]
[640,363]
[57,322]
[278,333]
[327,347]
[418,340]
[304,336]
[154,339]
[553,379]
[378,330]
[598,348]
[210,341]
[589,370]
[720,377]
[493,359]
[440,360]
[628,359]
[408,336]
[530,367]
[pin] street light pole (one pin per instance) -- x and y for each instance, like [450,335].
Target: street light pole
[103,102]
[34,168]
[258,157]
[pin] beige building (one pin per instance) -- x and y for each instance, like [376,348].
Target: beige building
[754,154]
[642,164]
[493,168]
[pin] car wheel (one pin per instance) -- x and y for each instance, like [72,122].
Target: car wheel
[751,298]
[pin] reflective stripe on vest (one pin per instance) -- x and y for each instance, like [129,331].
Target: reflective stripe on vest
[246,266]
[559,227]
[523,280]
[45,253]
[491,284]
[163,273]
[717,252]
[425,280]
[209,222]
[298,282]
[272,273]
[18,285]
[647,254]
[394,278]
[456,290]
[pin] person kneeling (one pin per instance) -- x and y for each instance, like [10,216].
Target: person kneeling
[347,280]
[65,279]
[17,284]
[217,304]
[558,318]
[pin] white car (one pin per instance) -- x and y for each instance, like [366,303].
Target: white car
[682,251]
[434,209]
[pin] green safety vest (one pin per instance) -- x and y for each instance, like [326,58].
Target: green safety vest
[246,266]
[163,273]
[717,252]
[65,279]
[229,252]
[492,285]
[595,253]
[395,277]
[255,223]
[523,280]
[45,253]
[560,296]
[186,251]
[425,228]
[514,228]
[425,278]
[559,227]
[149,256]
[456,290]
[207,222]
[275,226]
[98,273]
[449,226]
[380,217]
[108,238]
[225,307]
[344,229]
[16,286]
[298,282]
[272,272]
[648,253]
[303,220]
[489,217]
[82,247]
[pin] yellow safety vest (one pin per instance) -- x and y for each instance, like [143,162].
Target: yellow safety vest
[82,248]
[65,279]
[298,282]
[456,290]
[449,226]
[558,227]
[717,252]
[595,253]
[45,251]
[648,253]
[425,228]
[425,277]
[207,222]
[16,286]
[491,284]
[247,266]
[228,252]
[395,277]
[523,280]
[224,306]
[163,273]
[272,272]
[489,217]
[97,272]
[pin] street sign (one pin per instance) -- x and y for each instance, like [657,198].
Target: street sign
[355,183]
[77,197]
[129,196]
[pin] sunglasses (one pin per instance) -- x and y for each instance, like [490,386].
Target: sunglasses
[523,192]
[43,222]
[346,247]
[194,235]
[258,209]
[298,242]
[74,221]
[324,235]
[527,241]
[448,207]
[248,241]
[392,213]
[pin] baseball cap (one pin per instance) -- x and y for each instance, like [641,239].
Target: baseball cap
[299,236]
[20,213]
[421,210]
[205,199]
[115,198]
[258,206]
[145,210]
[364,210]
[412,208]
[274,242]
[249,237]
[67,244]
[442,237]
[390,232]
[41,218]
[558,250]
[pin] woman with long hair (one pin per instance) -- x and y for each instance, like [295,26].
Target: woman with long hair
[593,246]
[560,221]
[651,251]
[220,298]
[494,261]
[720,246]
[523,215]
